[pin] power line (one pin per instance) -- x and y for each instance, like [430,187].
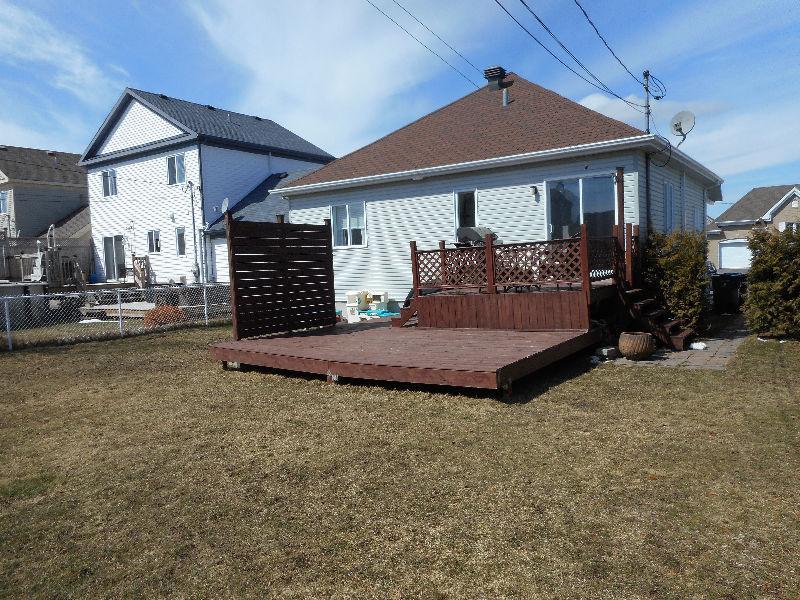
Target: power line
[565,65]
[602,39]
[571,55]
[423,44]
[466,60]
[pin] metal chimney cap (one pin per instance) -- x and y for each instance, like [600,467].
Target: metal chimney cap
[495,75]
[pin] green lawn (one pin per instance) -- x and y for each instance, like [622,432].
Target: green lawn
[138,468]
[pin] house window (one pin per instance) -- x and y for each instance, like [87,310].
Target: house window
[466,210]
[698,219]
[176,170]
[669,206]
[586,201]
[348,225]
[109,183]
[180,241]
[154,241]
[4,201]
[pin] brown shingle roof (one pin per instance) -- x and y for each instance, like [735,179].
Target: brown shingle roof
[755,203]
[478,127]
[45,166]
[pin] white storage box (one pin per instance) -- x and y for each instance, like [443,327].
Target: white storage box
[357,298]
[351,313]
[379,301]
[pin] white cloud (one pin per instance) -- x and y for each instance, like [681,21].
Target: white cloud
[28,40]
[331,71]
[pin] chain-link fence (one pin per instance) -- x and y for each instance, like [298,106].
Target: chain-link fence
[50,319]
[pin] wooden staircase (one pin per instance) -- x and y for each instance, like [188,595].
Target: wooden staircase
[654,318]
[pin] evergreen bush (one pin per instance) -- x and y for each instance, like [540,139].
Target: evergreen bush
[675,271]
[773,294]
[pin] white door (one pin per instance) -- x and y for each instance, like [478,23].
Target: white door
[734,254]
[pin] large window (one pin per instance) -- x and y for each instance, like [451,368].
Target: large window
[669,206]
[109,183]
[176,170]
[180,241]
[466,210]
[586,200]
[348,224]
[154,241]
[4,201]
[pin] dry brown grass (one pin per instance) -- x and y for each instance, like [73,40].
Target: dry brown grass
[138,468]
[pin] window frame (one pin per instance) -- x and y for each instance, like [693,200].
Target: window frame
[174,157]
[110,176]
[182,230]
[579,177]
[349,245]
[152,238]
[5,196]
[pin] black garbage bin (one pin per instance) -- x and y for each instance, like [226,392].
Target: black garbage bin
[727,289]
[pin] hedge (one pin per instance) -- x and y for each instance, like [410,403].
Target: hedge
[773,295]
[675,271]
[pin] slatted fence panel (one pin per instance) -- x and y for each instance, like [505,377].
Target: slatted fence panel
[281,277]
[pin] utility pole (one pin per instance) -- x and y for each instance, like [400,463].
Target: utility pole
[646,76]
[196,266]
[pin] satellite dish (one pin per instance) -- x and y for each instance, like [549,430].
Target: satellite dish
[682,123]
[224,208]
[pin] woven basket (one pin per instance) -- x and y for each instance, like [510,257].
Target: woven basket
[636,345]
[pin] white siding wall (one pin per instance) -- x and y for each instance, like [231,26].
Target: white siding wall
[688,196]
[218,261]
[145,201]
[138,125]
[424,211]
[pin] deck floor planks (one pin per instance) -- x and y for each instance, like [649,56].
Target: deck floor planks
[482,358]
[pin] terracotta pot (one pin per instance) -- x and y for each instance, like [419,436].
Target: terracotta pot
[636,345]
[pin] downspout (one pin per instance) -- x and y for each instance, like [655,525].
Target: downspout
[203,219]
[647,195]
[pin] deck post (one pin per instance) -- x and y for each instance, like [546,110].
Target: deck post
[414,269]
[443,262]
[629,253]
[620,180]
[488,247]
[586,280]
[233,277]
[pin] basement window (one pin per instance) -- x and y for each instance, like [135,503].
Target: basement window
[176,169]
[109,183]
[153,241]
[348,223]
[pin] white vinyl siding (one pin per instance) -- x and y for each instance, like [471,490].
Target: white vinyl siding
[137,126]
[669,206]
[510,201]
[176,169]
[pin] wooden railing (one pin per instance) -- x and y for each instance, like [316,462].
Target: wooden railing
[563,262]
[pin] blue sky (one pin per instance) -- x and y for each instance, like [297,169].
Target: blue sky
[341,75]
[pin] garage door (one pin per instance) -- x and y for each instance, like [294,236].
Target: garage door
[734,255]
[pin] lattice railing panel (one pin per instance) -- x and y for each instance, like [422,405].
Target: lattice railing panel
[429,266]
[533,263]
[465,267]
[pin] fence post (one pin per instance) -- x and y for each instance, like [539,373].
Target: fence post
[443,262]
[586,280]
[8,325]
[414,269]
[620,180]
[119,311]
[205,302]
[488,248]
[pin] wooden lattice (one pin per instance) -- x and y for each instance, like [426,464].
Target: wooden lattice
[465,267]
[534,263]
[429,264]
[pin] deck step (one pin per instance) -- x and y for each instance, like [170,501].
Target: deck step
[643,304]
[633,292]
[654,315]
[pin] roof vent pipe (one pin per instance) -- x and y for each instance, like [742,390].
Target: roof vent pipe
[505,96]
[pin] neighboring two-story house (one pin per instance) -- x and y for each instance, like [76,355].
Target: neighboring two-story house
[162,169]
[774,207]
[39,188]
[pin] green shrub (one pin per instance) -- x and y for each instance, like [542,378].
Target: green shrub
[773,283]
[675,270]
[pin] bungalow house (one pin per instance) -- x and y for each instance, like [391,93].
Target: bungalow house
[39,188]
[161,170]
[513,157]
[775,207]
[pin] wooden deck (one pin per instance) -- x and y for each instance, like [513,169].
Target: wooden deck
[475,358]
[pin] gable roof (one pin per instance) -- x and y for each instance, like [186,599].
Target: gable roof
[756,203]
[41,166]
[202,122]
[478,127]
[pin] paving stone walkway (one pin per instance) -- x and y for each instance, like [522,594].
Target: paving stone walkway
[721,345]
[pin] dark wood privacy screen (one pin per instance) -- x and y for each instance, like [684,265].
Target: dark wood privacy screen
[281,277]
